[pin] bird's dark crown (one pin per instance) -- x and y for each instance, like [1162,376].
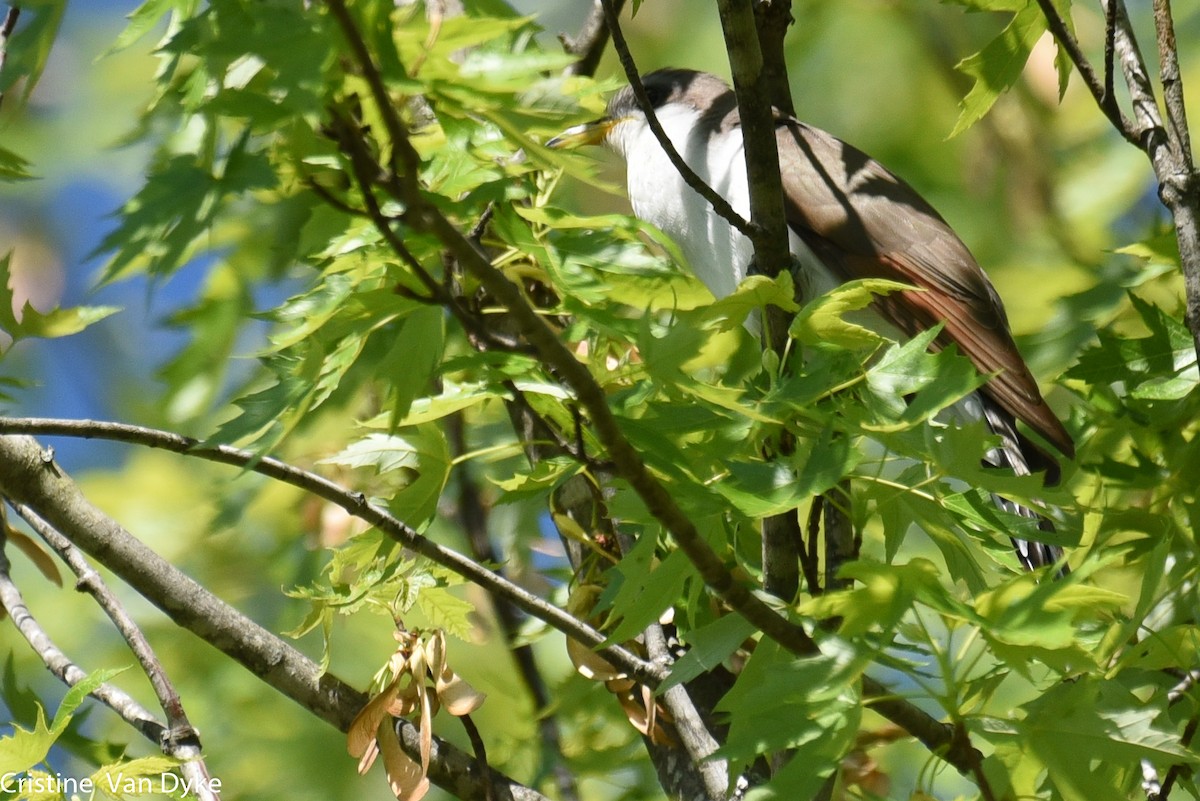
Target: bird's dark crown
[702,91]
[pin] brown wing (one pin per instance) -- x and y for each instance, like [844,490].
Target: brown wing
[863,221]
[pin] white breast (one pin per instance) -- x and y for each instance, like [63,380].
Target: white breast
[715,250]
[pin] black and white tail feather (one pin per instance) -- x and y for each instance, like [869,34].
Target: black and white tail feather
[1011,454]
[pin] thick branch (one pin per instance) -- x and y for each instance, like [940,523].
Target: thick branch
[27,476]
[781,535]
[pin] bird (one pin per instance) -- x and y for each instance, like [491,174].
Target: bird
[848,218]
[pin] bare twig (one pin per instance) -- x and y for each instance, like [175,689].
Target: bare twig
[1101,91]
[719,204]
[29,478]
[180,740]
[588,45]
[61,665]
[354,503]
[6,29]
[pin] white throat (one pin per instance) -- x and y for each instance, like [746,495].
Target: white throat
[717,253]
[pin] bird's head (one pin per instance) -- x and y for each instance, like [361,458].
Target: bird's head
[669,91]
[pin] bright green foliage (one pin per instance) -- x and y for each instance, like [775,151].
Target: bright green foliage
[29,322]
[390,369]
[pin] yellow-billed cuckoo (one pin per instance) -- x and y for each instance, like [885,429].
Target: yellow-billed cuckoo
[848,218]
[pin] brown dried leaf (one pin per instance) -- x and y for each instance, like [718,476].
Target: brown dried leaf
[640,714]
[368,757]
[406,778]
[860,769]
[407,701]
[435,652]
[426,725]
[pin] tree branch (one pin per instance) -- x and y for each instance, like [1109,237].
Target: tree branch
[61,665]
[1168,147]
[6,28]
[354,503]
[1101,92]
[588,45]
[27,476]
[180,739]
[719,204]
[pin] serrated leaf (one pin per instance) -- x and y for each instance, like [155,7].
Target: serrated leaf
[998,65]
[759,489]
[30,322]
[824,319]
[13,167]
[446,610]
[709,646]
[126,778]
[417,459]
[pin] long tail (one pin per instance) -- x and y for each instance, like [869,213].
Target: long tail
[1017,454]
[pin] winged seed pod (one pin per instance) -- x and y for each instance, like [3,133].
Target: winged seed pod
[417,679]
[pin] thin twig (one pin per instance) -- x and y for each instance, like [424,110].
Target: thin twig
[28,477]
[180,740]
[1101,92]
[6,29]
[1110,47]
[588,45]
[719,204]
[356,504]
[61,665]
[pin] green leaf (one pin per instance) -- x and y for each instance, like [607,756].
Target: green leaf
[30,322]
[146,18]
[446,610]
[759,489]
[708,647]
[420,461]
[413,358]
[643,597]
[1103,720]
[23,749]
[824,319]
[998,65]
[131,777]
[27,50]
[1161,366]
[810,705]
[13,167]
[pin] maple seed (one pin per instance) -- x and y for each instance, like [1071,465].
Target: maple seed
[416,679]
